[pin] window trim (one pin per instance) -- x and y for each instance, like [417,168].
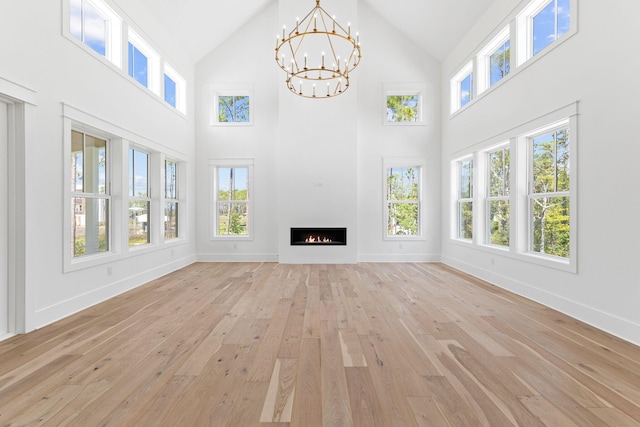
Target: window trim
[394,89]
[566,116]
[225,90]
[113,42]
[214,165]
[483,59]
[456,88]
[404,162]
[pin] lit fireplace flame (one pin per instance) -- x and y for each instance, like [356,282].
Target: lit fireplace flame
[317,239]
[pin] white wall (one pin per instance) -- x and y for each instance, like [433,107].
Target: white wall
[318,162]
[596,67]
[40,58]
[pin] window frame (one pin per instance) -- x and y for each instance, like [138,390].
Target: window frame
[524,26]
[148,199]
[242,90]
[484,60]
[500,198]
[214,166]
[415,89]
[460,200]
[456,87]
[174,200]
[71,195]
[154,80]
[113,41]
[417,163]
[520,180]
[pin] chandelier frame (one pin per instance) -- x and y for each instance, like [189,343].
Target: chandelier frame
[319,25]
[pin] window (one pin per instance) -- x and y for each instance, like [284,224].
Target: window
[94,24]
[549,24]
[143,63]
[232,206]
[171,200]
[403,201]
[494,60]
[139,198]
[465,199]
[232,106]
[234,109]
[403,108]
[90,195]
[462,87]
[549,193]
[174,89]
[542,23]
[498,192]
[138,65]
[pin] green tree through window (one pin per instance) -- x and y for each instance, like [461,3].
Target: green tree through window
[549,199]
[233,109]
[402,108]
[403,201]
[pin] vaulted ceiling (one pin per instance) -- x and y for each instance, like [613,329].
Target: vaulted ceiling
[201,25]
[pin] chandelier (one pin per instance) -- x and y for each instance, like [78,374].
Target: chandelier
[318,55]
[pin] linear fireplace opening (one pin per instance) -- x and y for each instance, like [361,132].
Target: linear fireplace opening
[318,236]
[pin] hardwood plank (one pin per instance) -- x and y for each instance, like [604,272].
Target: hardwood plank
[272,345]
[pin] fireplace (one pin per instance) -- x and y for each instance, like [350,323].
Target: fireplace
[318,236]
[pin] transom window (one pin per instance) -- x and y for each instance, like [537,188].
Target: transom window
[97,26]
[139,198]
[232,192]
[90,195]
[403,186]
[462,88]
[144,63]
[549,24]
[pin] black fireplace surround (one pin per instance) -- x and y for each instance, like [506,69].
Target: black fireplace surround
[315,236]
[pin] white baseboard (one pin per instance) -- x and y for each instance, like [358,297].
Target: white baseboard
[53,313]
[398,258]
[236,257]
[614,325]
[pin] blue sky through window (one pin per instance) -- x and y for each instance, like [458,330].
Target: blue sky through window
[169,91]
[466,86]
[499,65]
[138,173]
[88,26]
[239,179]
[550,23]
[138,65]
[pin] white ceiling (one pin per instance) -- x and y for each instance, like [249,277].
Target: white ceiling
[201,25]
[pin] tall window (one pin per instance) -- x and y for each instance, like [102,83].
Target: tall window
[97,26]
[139,198]
[403,201]
[498,192]
[90,195]
[232,201]
[465,199]
[549,24]
[170,200]
[549,193]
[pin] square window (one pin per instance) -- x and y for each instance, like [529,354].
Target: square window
[541,24]
[403,108]
[231,106]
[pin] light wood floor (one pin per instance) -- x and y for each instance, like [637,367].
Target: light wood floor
[319,345]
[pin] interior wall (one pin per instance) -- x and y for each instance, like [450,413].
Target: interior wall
[59,73]
[318,163]
[605,290]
